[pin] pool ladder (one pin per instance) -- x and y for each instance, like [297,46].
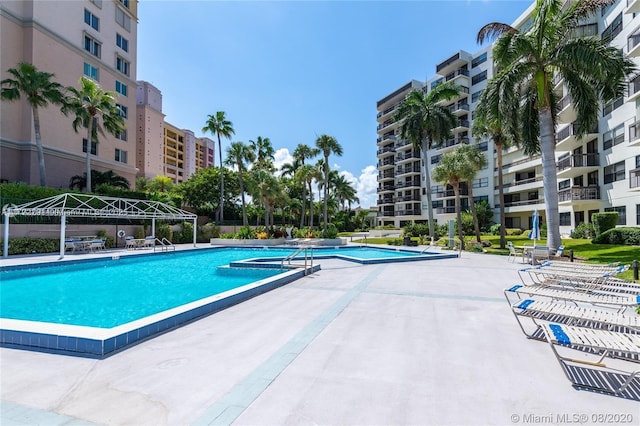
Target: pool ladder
[308,259]
[163,244]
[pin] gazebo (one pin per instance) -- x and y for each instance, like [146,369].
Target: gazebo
[88,205]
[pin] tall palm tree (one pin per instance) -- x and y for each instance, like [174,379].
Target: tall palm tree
[494,104]
[94,109]
[303,152]
[39,89]
[476,160]
[219,125]
[264,152]
[344,192]
[306,175]
[237,155]
[592,71]
[266,188]
[289,169]
[327,145]
[426,124]
[452,169]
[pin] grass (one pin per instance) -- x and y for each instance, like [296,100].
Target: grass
[583,250]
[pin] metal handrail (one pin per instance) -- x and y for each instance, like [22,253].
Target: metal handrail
[308,258]
[164,244]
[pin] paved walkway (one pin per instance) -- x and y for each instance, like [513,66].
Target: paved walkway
[424,343]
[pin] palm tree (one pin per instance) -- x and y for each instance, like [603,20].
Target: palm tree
[237,154]
[592,71]
[426,124]
[160,183]
[327,145]
[266,188]
[476,161]
[452,169]
[92,105]
[306,175]
[264,152]
[39,90]
[98,178]
[496,102]
[304,152]
[220,126]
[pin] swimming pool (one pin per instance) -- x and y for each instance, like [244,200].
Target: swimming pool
[97,307]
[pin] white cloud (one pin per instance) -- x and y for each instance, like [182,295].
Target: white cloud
[366,185]
[282,156]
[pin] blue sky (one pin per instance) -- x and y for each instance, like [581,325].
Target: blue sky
[293,70]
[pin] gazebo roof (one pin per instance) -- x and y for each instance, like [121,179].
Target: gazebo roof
[86,205]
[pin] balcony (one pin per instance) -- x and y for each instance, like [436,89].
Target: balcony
[633,89]
[634,179]
[389,137]
[566,137]
[403,198]
[459,73]
[408,155]
[386,149]
[458,109]
[577,164]
[387,213]
[387,110]
[518,183]
[388,162]
[633,44]
[385,200]
[567,113]
[633,6]
[557,81]
[401,143]
[387,123]
[524,202]
[386,188]
[461,125]
[453,142]
[450,193]
[445,210]
[409,212]
[408,184]
[579,195]
[386,175]
[634,134]
[407,169]
[451,64]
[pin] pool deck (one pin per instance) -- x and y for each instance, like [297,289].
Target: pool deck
[424,343]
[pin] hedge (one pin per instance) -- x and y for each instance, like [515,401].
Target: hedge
[622,236]
[604,221]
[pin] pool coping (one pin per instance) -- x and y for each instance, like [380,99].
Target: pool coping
[100,343]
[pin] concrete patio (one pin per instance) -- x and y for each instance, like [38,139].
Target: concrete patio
[424,343]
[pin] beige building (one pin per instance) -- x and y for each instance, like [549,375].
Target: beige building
[94,38]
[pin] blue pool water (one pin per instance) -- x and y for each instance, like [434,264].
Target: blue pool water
[108,293]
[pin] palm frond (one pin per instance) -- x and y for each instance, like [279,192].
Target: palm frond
[493,31]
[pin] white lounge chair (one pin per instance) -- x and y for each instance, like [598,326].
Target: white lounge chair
[620,301]
[604,343]
[149,242]
[513,253]
[130,243]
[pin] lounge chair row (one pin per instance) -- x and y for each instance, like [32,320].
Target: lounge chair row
[139,243]
[76,245]
[588,312]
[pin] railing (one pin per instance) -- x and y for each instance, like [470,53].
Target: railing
[450,193]
[387,214]
[578,160]
[407,184]
[522,181]
[456,73]
[447,62]
[634,86]
[522,161]
[389,161]
[571,130]
[564,102]
[410,212]
[579,193]
[634,178]
[634,131]
[444,210]
[163,244]
[632,41]
[524,202]
[308,259]
[407,198]
[386,149]
[386,188]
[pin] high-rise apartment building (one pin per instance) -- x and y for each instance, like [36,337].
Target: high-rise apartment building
[92,38]
[599,172]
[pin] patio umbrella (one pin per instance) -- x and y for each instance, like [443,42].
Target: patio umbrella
[535,227]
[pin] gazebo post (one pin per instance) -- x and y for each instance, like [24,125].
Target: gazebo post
[195,230]
[63,229]
[5,248]
[153,228]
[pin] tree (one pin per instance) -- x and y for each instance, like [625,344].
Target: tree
[201,189]
[99,178]
[160,183]
[476,160]
[527,62]
[220,126]
[452,169]
[263,153]
[427,123]
[496,102]
[237,155]
[327,145]
[306,175]
[40,90]
[94,109]
[344,192]
[266,188]
[303,152]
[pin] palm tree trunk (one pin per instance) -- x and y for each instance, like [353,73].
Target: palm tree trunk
[88,157]
[304,200]
[474,213]
[456,190]
[549,178]
[427,182]
[501,196]
[244,209]
[326,189]
[310,206]
[39,149]
[221,207]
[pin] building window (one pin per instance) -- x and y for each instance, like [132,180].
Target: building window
[612,30]
[92,20]
[480,183]
[123,19]
[483,146]
[435,159]
[610,106]
[122,135]
[121,88]
[478,60]
[613,137]
[94,146]
[479,77]
[565,219]
[121,156]
[622,214]
[592,178]
[614,172]
[123,110]
[476,95]
[92,46]
[125,3]
[564,184]
[122,65]
[91,72]
[122,42]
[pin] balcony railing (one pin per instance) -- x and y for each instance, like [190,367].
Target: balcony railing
[444,210]
[386,149]
[407,155]
[389,161]
[634,178]
[450,193]
[571,130]
[415,182]
[634,86]
[409,169]
[523,202]
[386,188]
[456,73]
[388,200]
[634,131]
[401,198]
[386,213]
[456,141]
[633,41]
[578,160]
[579,193]
[523,181]
[409,212]
[447,62]
[564,102]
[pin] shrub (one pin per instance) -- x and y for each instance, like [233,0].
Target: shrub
[622,236]
[138,233]
[164,231]
[185,235]
[208,231]
[604,221]
[583,230]
[246,233]
[305,233]
[330,232]
[475,247]
[395,242]
[495,229]
[25,245]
